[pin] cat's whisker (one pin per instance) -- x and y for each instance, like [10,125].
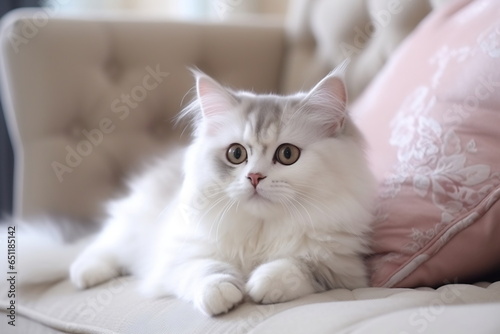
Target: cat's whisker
[311,223]
[226,209]
[227,206]
[319,211]
[212,206]
[290,209]
[305,210]
[300,189]
[314,189]
[314,201]
[295,210]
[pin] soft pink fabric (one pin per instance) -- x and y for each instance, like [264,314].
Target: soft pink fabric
[432,120]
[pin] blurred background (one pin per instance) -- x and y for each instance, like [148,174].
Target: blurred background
[184,9]
[176,9]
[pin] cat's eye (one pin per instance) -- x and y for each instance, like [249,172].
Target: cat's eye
[287,154]
[236,154]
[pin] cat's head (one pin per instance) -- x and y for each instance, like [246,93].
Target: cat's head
[269,154]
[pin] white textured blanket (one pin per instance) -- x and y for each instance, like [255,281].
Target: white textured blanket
[115,307]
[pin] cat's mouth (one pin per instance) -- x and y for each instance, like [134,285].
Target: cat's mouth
[258,196]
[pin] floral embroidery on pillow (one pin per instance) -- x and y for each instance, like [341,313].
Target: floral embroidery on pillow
[431,156]
[439,171]
[489,41]
[433,159]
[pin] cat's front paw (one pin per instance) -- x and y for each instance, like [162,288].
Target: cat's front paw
[218,294]
[278,281]
[88,271]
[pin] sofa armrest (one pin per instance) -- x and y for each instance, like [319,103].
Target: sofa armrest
[88,98]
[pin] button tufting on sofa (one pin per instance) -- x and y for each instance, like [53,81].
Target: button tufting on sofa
[75,130]
[113,69]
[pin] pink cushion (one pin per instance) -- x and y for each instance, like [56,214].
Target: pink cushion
[432,120]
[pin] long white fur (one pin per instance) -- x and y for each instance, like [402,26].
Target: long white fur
[201,232]
[42,251]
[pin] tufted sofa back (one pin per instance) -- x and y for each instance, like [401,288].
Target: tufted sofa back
[89,99]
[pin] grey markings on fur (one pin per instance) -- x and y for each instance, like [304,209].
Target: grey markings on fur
[264,112]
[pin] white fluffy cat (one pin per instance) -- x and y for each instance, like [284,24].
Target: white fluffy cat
[272,200]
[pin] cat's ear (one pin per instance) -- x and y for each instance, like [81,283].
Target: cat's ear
[326,103]
[214,99]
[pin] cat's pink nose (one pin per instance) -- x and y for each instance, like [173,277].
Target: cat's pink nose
[255,178]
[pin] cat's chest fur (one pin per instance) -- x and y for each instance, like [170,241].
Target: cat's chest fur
[247,241]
